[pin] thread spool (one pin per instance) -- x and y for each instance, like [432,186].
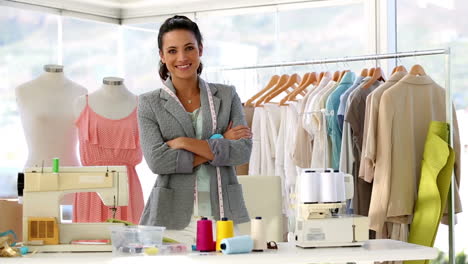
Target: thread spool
[55,166]
[224,229]
[205,241]
[257,231]
[237,245]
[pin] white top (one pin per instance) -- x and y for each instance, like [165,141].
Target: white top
[45,107]
[373,250]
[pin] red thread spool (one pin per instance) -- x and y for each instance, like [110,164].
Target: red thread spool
[205,235]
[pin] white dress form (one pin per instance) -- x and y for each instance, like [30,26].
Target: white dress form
[113,100]
[45,107]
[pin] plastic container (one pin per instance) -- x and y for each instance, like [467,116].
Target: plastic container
[133,240]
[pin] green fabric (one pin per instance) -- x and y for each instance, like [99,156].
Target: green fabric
[201,172]
[436,173]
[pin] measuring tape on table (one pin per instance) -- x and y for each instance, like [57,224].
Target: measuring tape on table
[214,123]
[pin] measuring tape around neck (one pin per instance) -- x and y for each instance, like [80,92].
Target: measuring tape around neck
[214,123]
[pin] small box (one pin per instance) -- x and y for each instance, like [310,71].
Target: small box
[132,240]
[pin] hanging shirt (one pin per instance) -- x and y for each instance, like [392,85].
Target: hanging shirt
[333,130]
[270,127]
[307,115]
[279,161]
[346,153]
[355,117]
[303,148]
[255,156]
[320,151]
[366,170]
[344,101]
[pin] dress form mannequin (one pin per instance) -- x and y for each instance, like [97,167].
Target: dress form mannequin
[108,134]
[47,117]
[113,100]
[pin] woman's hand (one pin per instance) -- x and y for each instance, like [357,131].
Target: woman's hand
[237,132]
[176,143]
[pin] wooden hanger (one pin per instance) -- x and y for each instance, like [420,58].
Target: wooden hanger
[312,79]
[282,80]
[321,76]
[376,75]
[336,76]
[417,70]
[274,80]
[292,81]
[342,74]
[370,72]
[400,68]
[364,72]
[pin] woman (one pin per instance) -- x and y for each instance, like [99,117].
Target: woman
[180,144]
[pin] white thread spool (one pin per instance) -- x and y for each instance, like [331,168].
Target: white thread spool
[257,231]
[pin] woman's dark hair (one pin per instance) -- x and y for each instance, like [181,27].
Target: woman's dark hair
[173,23]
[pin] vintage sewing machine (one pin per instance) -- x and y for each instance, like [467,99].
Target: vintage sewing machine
[321,219]
[42,193]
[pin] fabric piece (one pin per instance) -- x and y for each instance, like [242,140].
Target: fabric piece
[333,129]
[366,170]
[109,142]
[405,112]
[436,172]
[255,156]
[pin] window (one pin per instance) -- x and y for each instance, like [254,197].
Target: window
[28,40]
[90,51]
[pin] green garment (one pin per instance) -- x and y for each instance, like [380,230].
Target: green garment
[436,173]
[201,172]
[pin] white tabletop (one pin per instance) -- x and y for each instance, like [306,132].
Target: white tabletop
[373,250]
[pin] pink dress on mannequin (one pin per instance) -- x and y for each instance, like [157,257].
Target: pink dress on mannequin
[109,142]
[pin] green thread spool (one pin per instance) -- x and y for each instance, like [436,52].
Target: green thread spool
[55,166]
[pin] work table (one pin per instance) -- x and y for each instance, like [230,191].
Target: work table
[373,250]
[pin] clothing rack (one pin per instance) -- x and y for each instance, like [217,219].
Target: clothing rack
[397,55]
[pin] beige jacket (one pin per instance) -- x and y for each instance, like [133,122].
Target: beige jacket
[405,112]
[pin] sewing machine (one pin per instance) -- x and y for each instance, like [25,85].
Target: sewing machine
[321,221]
[42,192]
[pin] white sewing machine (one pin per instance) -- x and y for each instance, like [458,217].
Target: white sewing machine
[320,221]
[42,192]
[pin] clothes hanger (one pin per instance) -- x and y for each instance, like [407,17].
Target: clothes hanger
[312,79]
[364,72]
[417,70]
[336,76]
[399,68]
[342,74]
[297,90]
[282,80]
[377,74]
[273,80]
[305,79]
[292,81]
[371,72]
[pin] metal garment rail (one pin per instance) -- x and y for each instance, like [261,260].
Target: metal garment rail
[448,105]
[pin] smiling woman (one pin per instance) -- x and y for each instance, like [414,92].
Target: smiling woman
[181,126]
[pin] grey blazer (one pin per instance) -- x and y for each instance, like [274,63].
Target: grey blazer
[160,119]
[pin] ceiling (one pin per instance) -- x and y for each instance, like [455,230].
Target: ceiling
[134,11]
